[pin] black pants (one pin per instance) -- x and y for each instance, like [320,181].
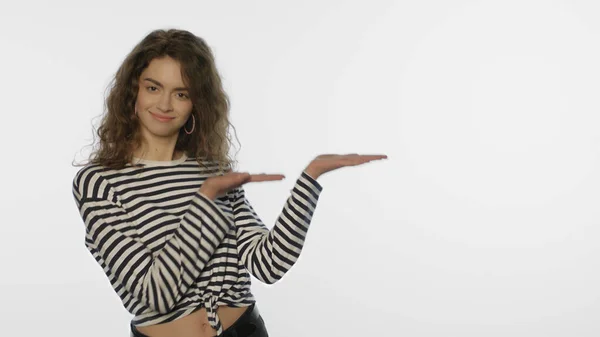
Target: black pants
[250,324]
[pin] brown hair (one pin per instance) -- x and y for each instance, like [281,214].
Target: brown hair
[119,130]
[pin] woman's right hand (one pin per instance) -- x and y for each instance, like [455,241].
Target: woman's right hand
[218,186]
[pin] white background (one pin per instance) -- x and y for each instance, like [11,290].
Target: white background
[484,221]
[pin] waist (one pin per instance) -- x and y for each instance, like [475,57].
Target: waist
[194,325]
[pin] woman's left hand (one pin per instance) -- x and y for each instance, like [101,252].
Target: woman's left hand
[329,162]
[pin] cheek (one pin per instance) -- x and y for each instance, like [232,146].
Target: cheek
[184,106]
[143,101]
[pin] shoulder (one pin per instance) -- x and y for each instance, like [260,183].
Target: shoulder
[87,180]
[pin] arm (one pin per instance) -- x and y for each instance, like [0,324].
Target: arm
[157,282]
[268,255]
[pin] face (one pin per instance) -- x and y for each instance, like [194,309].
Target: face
[162,93]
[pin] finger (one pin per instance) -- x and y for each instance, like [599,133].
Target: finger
[269,176]
[370,156]
[376,156]
[328,155]
[355,161]
[266,177]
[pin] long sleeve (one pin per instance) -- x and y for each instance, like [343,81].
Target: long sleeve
[268,255]
[159,281]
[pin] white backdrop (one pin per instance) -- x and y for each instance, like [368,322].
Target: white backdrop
[484,221]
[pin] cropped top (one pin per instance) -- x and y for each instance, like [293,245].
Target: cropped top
[169,250]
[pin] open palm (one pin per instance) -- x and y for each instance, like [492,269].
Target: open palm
[329,162]
[218,186]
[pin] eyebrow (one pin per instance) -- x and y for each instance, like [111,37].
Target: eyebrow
[160,85]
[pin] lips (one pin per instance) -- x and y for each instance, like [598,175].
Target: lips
[161,118]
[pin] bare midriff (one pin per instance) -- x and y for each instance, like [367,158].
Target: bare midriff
[193,325]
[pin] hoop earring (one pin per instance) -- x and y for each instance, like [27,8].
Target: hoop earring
[193,126]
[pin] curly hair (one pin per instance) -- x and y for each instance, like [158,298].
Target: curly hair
[119,130]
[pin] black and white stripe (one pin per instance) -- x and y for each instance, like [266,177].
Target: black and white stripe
[168,249]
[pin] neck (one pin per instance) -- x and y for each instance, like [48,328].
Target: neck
[157,155]
[157,148]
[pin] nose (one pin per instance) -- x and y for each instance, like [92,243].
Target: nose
[164,103]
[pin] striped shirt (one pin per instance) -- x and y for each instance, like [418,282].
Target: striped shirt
[169,250]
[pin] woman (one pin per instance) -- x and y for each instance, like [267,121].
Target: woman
[165,215]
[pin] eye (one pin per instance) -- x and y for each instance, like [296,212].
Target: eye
[150,87]
[184,95]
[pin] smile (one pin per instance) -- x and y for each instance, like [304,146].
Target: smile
[160,118]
